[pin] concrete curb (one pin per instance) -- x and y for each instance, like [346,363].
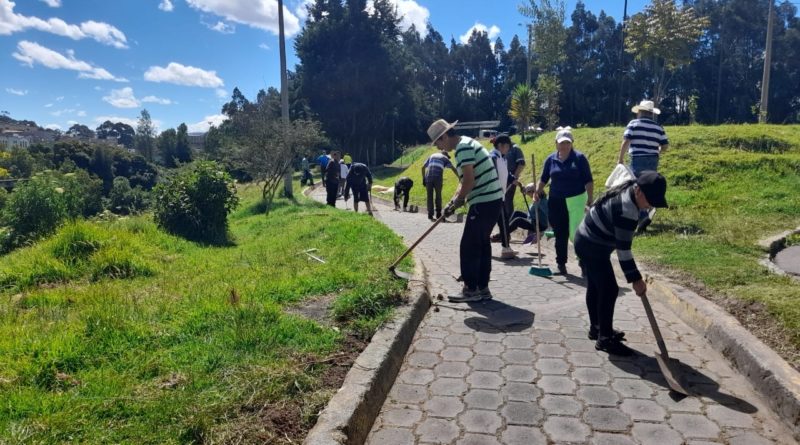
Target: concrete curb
[349,415]
[769,374]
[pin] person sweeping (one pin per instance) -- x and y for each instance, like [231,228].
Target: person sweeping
[608,226]
[359,180]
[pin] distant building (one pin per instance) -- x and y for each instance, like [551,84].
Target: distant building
[11,140]
[197,141]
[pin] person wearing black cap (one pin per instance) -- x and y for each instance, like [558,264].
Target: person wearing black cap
[609,225]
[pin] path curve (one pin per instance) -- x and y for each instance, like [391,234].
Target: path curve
[520,370]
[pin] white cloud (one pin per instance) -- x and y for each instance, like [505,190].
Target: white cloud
[222,94]
[262,14]
[30,53]
[114,119]
[53,127]
[166,5]
[264,46]
[493,32]
[58,113]
[10,22]
[81,113]
[183,75]
[157,100]
[71,122]
[221,27]
[122,98]
[48,105]
[203,126]
[302,9]
[53,3]
[16,92]
[59,98]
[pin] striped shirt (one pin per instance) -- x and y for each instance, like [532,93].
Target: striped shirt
[646,137]
[610,226]
[487,185]
[435,165]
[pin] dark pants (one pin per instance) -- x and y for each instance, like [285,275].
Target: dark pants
[476,247]
[434,188]
[307,178]
[601,286]
[502,224]
[508,204]
[520,220]
[397,194]
[559,221]
[638,166]
[332,187]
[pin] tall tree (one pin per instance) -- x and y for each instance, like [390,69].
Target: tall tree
[145,136]
[167,142]
[183,152]
[523,107]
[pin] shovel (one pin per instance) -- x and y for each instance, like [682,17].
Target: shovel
[405,275]
[665,363]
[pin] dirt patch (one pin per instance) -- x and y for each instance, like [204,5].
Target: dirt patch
[315,308]
[752,315]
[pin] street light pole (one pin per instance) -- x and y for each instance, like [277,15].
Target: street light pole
[287,177]
[762,115]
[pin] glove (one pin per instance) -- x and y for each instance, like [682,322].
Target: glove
[451,207]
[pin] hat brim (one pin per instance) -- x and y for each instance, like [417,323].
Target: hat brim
[562,139]
[446,129]
[637,109]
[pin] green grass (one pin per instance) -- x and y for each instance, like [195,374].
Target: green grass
[729,186]
[115,332]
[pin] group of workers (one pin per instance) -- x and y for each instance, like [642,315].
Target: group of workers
[598,227]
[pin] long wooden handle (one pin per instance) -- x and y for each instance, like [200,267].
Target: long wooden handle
[654,326]
[419,240]
[536,211]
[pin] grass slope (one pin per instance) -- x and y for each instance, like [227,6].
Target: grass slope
[114,332]
[729,186]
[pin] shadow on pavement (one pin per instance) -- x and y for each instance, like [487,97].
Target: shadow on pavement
[698,384]
[499,317]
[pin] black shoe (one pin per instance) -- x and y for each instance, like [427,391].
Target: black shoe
[613,347]
[618,335]
[562,269]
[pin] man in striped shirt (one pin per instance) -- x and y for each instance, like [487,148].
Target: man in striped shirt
[433,179]
[609,226]
[645,141]
[480,188]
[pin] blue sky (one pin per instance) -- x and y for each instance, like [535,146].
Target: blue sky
[85,61]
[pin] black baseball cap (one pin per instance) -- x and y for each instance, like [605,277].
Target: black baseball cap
[654,187]
[502,138]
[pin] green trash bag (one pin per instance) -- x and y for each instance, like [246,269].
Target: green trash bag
[576,207]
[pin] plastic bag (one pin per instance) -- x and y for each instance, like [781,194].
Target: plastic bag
[620,174]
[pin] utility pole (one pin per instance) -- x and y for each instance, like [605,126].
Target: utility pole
[287,177]
[619,109]
[762,115]
[530,55]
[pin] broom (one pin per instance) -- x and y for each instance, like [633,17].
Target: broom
[538,271]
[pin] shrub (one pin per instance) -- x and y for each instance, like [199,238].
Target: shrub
[83,194]
[35,209]
[195,202]
[3,197]
[124,200]
[76,242]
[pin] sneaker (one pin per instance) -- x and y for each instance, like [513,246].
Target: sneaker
[466,296]
[562,269]
[485,293]
[508,253]
[613,347]
[530,239]
[496,238]
[618,335]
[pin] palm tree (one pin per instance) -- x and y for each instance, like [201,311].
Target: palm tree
[523,107]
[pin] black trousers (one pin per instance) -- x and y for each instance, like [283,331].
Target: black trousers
[508,203]
[332,187]
[476,247]
[397,194]
[559,221]
[601,285]
[520,220]
[434,188]
[502,224]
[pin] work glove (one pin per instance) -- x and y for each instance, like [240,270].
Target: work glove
[451,207]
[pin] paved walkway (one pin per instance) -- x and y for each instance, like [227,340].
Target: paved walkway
[520,370]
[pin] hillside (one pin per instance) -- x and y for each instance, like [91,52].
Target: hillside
[729,186]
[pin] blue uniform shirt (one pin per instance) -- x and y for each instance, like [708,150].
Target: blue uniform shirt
[568,178]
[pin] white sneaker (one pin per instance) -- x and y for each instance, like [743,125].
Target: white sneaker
[508,253]
[466,296]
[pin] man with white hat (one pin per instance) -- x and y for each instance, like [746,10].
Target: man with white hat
[480,188]
[645,141]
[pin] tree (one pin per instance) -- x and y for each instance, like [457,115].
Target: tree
[80,131]
[145,136]
[183,152]
[167,142]
[665,37]
[549,37]
[523,107]
[119,132]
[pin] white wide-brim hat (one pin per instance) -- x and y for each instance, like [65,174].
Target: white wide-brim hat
[646,105]
[439,128]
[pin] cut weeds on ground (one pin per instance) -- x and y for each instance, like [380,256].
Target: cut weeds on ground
[114,332]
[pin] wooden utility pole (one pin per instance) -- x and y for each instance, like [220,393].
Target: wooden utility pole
[619,110]
[287,178]
[530,55]
[762,115]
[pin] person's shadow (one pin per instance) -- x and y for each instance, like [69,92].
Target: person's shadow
[697,383]
[498,316]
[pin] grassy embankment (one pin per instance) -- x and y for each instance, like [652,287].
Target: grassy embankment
[729,186]
[115,332]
